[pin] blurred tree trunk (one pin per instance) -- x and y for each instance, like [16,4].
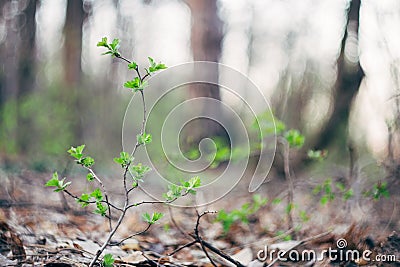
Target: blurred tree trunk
[2,62]
[73,29]
[348,81]
[17,76]
[206,37]
[26,71]
[73,42]
[9,52]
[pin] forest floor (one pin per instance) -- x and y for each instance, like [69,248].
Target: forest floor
[39,228]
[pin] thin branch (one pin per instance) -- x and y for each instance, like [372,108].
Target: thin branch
[147,75]
[105,193]
[132,235]
[157,201]
[182,247]
[126,202]
[286,151]
[124,59]
[197,234]
[221,254]
[138,73]
[205,252]
[176,224]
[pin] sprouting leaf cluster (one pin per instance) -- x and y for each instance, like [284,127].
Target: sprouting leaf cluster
[294,138]
[227,219]
[60,185]
[378,191]
[144,138]
[108,260]
[112,48]
[327,191]
[77,153]
[153,218]
[186,187]
[318,155]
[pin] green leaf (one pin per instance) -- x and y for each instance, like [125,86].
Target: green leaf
[144,138]
[304,216]
[146,217]
[157,216]
[155,66]
[174,192]
[83,200]
[89,177]
[103,42]
[101,209]
[124,159]
[193,183]
[59,184]
[76,152]
[108,260]
[62,185]
[289,207]
[115,44]
[319,155]
[348,194]
[132,66]
[294,138]
[259,201]
[135,83]
[340,186]
[276,201]
[152,219]
[138,171]
[97,194]
[87,162]
[53,181]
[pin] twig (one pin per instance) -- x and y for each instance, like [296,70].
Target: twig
[176,224]
[126,202]
[286,151]
[197,235]
[191,243]
[222,254]
[132,235]
[105,193]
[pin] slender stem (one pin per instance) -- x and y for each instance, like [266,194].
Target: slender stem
[220,253]
[156,201]
[182,247]
[111,234]
[124,59]
[176,224]
[105,193]
[197,235]
[288,177]
[126,203]
[147,75]
[138,74]
[132,235]
[205,252]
